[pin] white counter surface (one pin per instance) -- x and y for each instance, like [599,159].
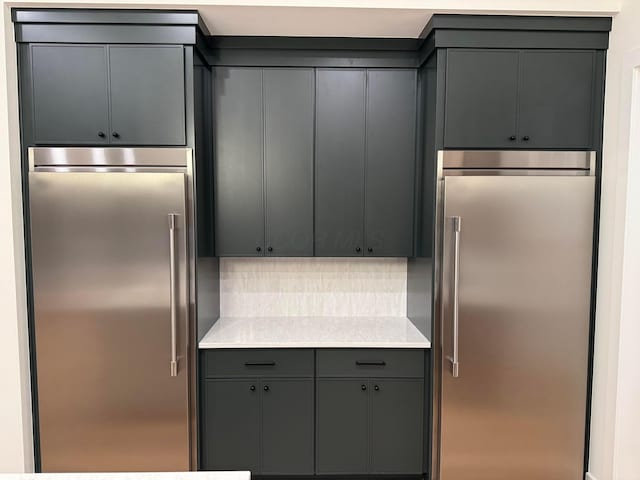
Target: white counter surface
[130,476]
[314,332]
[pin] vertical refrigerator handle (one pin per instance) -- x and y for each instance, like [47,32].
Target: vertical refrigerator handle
[173,295]
[454,359]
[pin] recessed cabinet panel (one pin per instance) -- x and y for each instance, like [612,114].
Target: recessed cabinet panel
[231,416]
[556,98]
[340,151]
[390,163]
[481,98]
[396,426]
[147,95]
[342,428]
[288,160]
[238,131]
[70,94]
[287,427]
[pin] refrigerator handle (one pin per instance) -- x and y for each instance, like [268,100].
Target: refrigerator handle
[173,288]
[454,359]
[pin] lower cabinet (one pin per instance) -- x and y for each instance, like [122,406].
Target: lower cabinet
[370,426]
[265,426]
[361,412]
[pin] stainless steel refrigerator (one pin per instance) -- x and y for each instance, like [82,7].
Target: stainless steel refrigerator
[513,301]
[112,271]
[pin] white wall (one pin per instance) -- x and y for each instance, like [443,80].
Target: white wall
[615,438]
[614,455]
[16,452]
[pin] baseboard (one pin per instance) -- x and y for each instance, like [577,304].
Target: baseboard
[589,476]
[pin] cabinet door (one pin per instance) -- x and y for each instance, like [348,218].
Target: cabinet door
[556,98]
[70,94]
[147,95]
[342,426]
[390,164]
[288,159]
[239,212]
[396,426]
[481,90]
[287,427]
[340,143]
[231,425]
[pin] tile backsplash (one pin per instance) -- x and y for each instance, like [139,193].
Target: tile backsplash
[268,287]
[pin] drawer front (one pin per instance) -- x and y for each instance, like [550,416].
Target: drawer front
[365,362]
[257,363]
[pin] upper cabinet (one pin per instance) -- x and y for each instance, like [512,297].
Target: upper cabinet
[263,161]
[107,94]
[519,98]
[365,161]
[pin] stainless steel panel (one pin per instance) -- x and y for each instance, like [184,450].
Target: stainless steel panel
[111,156]
[518,159]
[517,409]
[101,273]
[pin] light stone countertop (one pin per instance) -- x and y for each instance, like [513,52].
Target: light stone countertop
[314,332]
[130,476]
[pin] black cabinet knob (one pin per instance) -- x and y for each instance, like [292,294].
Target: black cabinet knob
[363,387]
[512,138]
[376,388]
[101,134]
[115,135]
[258,249]
[270,249]
[266,388]
[369,249]
[252,388]
[358,249]
[525,138]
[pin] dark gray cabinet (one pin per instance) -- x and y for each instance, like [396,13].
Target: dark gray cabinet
[365,161]
[288,161]
[342,428]
[396,425]
[263,161]
[287,426]
[258,411]
[231,418]
[519,98]
[370,411]
[481,98]
[69,94]
[106,94]
[340,155]
[390,162]
[238,174]
[147,95]
[556,98]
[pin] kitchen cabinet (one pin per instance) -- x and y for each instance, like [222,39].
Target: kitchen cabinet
[370,406]
[70,100]
[147,95]
[231,415]
[107,94]
[264,161]
[365,161]
[258,411]
[501,98]
[340,152]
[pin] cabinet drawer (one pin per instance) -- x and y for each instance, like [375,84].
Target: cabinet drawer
[363,362]
[257,363]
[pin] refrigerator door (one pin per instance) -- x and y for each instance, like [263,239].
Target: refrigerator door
[103,304]
[516,410]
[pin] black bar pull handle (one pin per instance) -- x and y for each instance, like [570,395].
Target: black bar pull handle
[377,363]
[268,363]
